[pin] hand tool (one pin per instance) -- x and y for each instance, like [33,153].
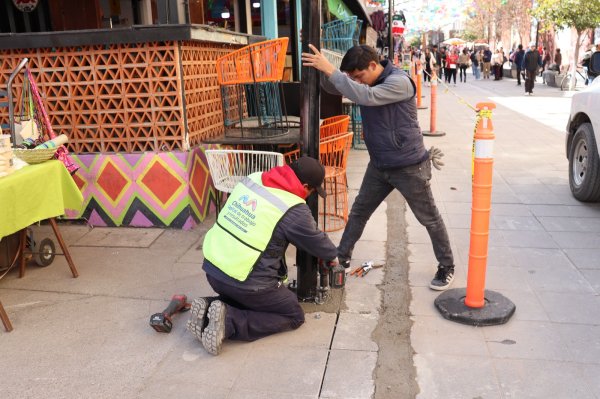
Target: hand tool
[162,322]
[365,268]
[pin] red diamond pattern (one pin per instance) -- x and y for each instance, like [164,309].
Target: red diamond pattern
[161,182]
[112,181]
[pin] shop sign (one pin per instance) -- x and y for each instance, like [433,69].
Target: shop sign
[25,5]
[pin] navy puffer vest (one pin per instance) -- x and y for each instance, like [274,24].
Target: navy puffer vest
[391,132]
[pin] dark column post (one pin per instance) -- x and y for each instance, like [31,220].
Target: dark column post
[309,126]
[390,36]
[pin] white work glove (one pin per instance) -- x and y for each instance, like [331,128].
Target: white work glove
[435,156]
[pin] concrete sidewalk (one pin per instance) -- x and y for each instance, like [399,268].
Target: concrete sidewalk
[543,255]
[89,337]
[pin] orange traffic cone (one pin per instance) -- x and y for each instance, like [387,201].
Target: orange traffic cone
[475,305]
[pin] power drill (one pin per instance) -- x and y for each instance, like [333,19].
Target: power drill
[162,322]
[332,275]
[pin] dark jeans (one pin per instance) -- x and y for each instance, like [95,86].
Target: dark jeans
[256,314]
[450,74]
[463,73]
[519,71]
[413,184]
[529,80]
[427,75]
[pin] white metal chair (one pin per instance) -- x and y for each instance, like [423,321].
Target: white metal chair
[229,167]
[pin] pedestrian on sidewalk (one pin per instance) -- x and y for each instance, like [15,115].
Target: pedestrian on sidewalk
[497,64]
[487,62]
[398,158]
[546,59]
[476,63]
[437,61]
[504,60]
[427,61]
[532,61]
[244,255]
[463,64]
[558,59]
[519,54]
[451,66]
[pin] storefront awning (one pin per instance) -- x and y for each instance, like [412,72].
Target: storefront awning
[358,8]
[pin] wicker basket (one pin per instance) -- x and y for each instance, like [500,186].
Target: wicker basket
[35,155]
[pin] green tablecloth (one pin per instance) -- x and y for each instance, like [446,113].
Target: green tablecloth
[35,193]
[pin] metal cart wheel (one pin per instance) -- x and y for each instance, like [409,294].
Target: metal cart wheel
[44,252]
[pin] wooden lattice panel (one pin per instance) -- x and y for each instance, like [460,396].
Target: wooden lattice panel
[113,98]
[126,97]
[202,91]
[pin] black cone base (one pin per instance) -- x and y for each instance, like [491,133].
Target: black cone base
[433,134]
[497,309]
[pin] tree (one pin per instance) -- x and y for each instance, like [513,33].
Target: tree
[519,15]
[581,15]
[493,20]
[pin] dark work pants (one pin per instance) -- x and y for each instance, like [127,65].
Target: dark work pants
[413,184]
[256,314]
[529,80]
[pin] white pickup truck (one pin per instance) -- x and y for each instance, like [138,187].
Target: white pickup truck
[583,137]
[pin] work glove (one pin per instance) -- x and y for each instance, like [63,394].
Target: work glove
[435,156]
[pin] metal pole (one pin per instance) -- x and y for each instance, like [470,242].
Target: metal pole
[309,127]
[390,36]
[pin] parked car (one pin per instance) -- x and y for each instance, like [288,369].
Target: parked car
[583,136]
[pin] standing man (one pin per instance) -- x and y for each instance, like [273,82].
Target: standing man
[532,61]
[518,62]
[486,58]
[398,158]
[244,255]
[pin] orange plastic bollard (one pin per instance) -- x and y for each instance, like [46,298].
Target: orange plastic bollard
[419,84]
[432,132]
[433,94]
[480,213]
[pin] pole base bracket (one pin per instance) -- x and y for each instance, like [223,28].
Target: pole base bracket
[496,310]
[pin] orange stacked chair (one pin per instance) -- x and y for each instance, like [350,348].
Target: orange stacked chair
[251,91]
[334,125]
[333,210]
[330,127]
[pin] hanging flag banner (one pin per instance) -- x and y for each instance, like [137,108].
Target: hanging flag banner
[397,25]
[25,5]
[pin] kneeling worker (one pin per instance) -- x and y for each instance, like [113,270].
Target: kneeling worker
[244,255]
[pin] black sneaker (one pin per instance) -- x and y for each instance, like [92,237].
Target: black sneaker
[443,278]
[214,333]
[345,263]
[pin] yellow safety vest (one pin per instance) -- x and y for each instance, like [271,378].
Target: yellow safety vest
[245,226]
